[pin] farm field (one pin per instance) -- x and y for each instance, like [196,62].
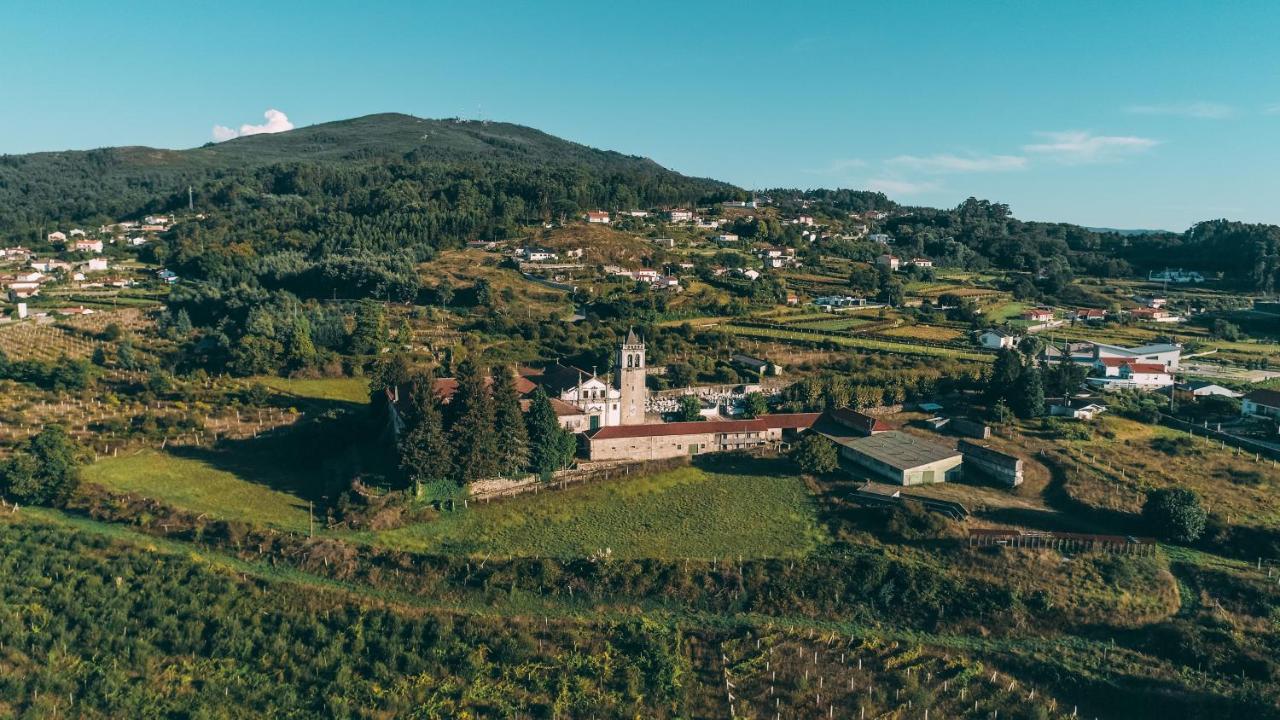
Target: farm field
[929,333]
[683,513]
[857,342]
[194,485]
[1114,473]
[1005,311]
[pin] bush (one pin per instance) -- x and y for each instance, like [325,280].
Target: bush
[1175,514]
[816,455]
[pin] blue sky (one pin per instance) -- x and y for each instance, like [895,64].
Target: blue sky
[1133,114]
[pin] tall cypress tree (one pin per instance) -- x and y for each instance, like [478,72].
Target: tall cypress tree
[426,455]
[551,447]
[472,432]
[513,446]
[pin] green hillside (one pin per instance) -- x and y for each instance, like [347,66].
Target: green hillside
[45,189]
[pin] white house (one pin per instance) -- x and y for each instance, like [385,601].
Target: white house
[881,238]
[538,254]
[680,215]
[726,238]
[95,265]
[57,236]
[995,339]
[1122,373]
[1077,410]
[1167,354]
[890,261]
[920,262]
[1201,388]
[77,232]
[598,216]
[93,246]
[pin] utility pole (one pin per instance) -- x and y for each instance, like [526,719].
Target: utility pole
[311,518]
[191,200]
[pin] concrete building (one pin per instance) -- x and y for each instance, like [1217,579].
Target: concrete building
[986,459]
[902,458]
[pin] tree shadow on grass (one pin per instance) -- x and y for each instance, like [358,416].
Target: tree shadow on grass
[315,460]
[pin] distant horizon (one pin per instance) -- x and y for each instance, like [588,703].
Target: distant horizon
[1098,116]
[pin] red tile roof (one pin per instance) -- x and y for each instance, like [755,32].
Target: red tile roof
[1141,367]
[446,387]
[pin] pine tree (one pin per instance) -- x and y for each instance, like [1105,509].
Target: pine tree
[1028,394]
[472,431]
[1004,374]
[551,447]
[426,455]
[370,332]
[513,450]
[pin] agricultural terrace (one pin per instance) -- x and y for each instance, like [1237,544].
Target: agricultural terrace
[684,513]
[861,343]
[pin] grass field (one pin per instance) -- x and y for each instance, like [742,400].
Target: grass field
[199,487]
[354,390]
[1116,472]
[678,514]
[1005,311]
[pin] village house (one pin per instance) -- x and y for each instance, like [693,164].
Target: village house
[836,303]
[805,220]
[95,264]
[1261,403]
[57,236]
[1178,276]
[93,246]
[1038,315]
[680,215]
[1090,315]
[880,238]
[1112,373]
[1167,354]
[1154,314]
[598,216]
[920,262]
[889,261]
[760,366]
[532,254]
[1201,388]
[996,339]
[1077,409]
[726,238]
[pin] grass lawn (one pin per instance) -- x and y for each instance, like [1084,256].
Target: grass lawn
[355,390]
[199,487]
[1005,311]
[686,512]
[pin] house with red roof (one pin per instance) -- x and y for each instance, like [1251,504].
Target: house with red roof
[1117,373]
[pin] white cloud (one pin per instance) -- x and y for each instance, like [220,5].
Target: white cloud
[890,186]
[1078,147]
[276,122]
[1207,110]
[1272,109]
[945,163]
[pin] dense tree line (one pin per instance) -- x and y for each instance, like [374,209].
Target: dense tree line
[483,431]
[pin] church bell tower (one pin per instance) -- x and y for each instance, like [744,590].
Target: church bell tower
[631,376]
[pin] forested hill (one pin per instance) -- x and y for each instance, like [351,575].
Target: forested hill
[361,166]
